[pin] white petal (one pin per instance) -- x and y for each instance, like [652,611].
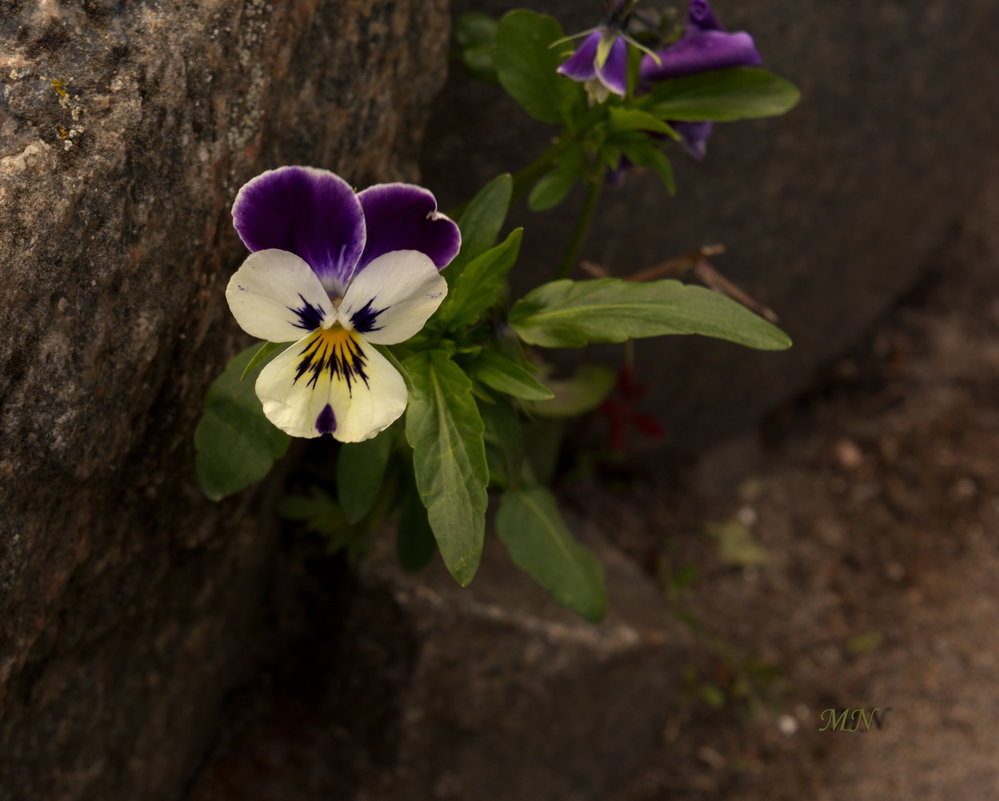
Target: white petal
[372,406]
[393,297]
[336,368]
[292,403]
[275,296]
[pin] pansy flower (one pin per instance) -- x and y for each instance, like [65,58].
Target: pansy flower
[704,46]
[601,60]
[334,273]
[601,63]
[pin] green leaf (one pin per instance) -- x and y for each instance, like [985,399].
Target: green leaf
[236,445]
[320,514]
[317,511]
[504,443]
[583,392]
[574,313]
[527,65]
[648,154]
[258,358]
[476,37]
[360,472]
[479,285]
[722,96]
[542,447]
[664,167]
[530,526]
[481,222]
[554,185]
[449,458]
[414,539]
[498,372]
[634,119]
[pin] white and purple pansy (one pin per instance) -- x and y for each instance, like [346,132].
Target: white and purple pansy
[335,272]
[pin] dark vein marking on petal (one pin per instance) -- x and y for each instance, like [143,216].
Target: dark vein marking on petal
[326,422]
[364,319]
[309,317]
[335,351]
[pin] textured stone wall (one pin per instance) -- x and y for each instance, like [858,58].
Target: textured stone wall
[126,599]
[829,213]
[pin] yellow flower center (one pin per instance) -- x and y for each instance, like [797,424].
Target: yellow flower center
[334,352]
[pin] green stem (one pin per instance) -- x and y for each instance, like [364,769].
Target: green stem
[523,179]
[582,226]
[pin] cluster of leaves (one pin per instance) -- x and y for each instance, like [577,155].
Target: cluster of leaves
[522,52]
[473,392]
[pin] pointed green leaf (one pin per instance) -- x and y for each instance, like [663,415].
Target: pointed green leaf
[236,445]
[530,526]
[449,458]
[634,119]
[264,351]
[360,472]
[554,185]
[480,223]
[479,285]
[414,539]
[722,96]
[504,443]
[527,66]
[542,447]
[582,392]
[320,514]
[647,154]
[498,372]
[476,37]
[575,313]
[316,510]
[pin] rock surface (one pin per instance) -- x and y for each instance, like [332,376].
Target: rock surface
[127,600]
[416,688]
[828,214]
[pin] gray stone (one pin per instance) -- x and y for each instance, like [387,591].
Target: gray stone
[432,691]
[127,601]
[828,214]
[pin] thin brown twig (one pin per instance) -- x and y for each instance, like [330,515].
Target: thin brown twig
[696,263]
[719,283]
[677,266]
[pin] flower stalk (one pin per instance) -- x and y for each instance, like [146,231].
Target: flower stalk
[582,228]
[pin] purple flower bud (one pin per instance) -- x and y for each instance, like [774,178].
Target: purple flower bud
[705,46]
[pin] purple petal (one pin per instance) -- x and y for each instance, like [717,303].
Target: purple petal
[705,46]
[701,52]
[580,65]
[311,213]
[614,73]
[405,217]
[694,137]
